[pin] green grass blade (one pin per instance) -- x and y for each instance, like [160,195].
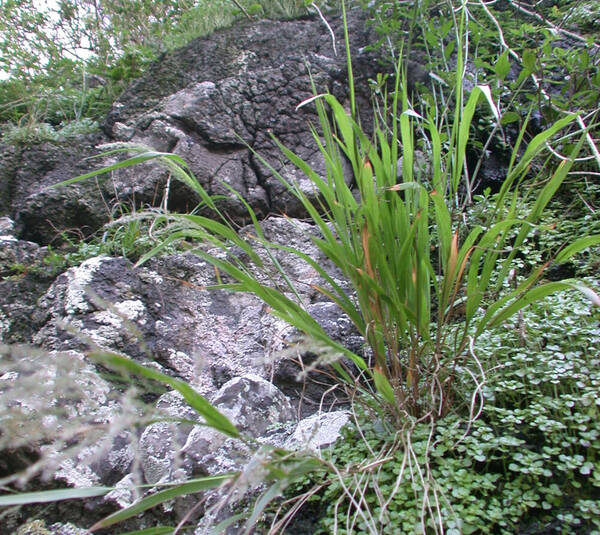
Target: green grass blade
[349,62]
[537,144]
[47,496]
[542,200]
[444,225]
[482,263]
[383,386]
[535,294]
[265,499]
[184,489]
[408,151]
[134,160]
[463,135]
[576,247]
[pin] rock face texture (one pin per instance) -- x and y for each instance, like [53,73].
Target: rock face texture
[162,312]
[226,345]
[207,102]
[216,103]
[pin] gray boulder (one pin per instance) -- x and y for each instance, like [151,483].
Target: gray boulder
[204,102]
[162,313]
[170,452]
[71,421]
[318,431]
[24,278]
[255,406]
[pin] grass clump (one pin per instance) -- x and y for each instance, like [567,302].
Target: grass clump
[383,241]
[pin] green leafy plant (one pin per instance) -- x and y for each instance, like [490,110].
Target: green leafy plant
[531,61]
[529,459]
[382,243]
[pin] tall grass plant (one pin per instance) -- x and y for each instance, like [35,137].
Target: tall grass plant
[402,243]
[424,283]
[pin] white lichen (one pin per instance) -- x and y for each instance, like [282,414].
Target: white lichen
[318,431]
[183,363]
[4,326]
[132,309]
[76,300]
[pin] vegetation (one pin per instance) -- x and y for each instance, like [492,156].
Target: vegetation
[524,463]
[475,398]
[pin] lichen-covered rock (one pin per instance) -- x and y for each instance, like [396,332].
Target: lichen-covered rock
[7,226]
[49,399]
[204,102]
[162,313]
[171,452]
[255,406]
[38,527]
[23,280]
[318,431]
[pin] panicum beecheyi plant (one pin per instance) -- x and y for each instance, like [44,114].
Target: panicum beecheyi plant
[401,243]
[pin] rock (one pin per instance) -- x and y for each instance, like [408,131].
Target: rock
[9,161]
[171,452]
[125,493]
[42,212]
[59,528]
[38,527]
[162,313]
[17,256]
[318,431]
[161,442]
[24,277]
[49,398]
[7,226]
[253,404]
[204,102]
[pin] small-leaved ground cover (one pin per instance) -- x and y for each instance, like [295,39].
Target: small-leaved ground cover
[530,460]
